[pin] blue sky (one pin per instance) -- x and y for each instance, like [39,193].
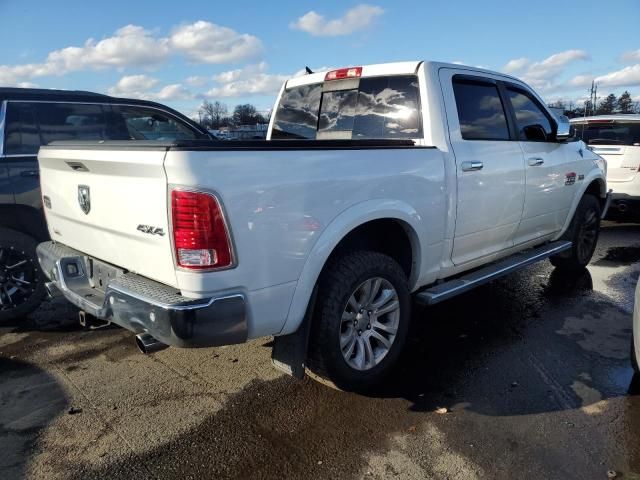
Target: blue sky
[237,52]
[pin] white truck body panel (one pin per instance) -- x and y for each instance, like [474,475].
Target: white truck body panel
[288,208]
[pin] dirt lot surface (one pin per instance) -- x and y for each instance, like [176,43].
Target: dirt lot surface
[532,369]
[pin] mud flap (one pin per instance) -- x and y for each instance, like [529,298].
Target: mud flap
[289,352]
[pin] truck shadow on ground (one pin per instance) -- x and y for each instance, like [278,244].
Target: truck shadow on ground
[30,399]
[498,352]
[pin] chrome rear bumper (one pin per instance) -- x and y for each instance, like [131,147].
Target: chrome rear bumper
[142,305]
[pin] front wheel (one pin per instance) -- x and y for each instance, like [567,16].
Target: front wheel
[583,233]
[361,320]
[21,281]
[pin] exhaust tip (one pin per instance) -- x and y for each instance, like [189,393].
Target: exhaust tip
[147,344]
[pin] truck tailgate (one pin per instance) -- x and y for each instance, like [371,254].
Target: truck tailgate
[95,200]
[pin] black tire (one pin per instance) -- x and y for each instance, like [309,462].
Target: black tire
[339,281]
[583,232]
[21,287]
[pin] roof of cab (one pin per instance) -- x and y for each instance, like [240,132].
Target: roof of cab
[624,117]
[395,68]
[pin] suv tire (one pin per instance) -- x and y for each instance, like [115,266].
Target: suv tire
[21,280]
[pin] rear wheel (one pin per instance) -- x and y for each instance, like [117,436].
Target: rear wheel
[21,281]
[583,232]
[360,321]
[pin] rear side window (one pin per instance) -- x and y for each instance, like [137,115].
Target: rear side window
[22,135]
[480,111]
[139,123]
[379,108]
[297,113]
[532,123]
[70,121]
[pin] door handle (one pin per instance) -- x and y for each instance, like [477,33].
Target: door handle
[535,161]
[472,166]
[30,173]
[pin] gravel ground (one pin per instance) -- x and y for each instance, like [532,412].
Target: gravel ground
[533,372]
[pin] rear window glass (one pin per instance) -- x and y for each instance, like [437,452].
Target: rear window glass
[480,111]
[379,108]
[610,133]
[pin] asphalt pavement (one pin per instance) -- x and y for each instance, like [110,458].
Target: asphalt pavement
[527,377]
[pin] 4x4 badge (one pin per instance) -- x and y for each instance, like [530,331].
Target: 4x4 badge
[84,198]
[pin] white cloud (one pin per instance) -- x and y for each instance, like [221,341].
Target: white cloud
[543,75]
[131,84]
[174,91]
[196,80]
[354,19]
[630,57]
[260,84]
[627,77]
[141,86]
[516,65]
[132,45]
[206,42]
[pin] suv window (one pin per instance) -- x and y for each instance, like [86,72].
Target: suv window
[532,122]
[140,123]
[70,121]
[609,133]
[22,136]
[480,110]
[379,108]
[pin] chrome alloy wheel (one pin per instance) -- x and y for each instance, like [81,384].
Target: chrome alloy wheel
[369,323]
[17,278]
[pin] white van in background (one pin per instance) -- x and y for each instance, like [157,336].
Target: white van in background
[616,138]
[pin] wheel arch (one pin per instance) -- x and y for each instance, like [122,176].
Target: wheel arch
[344,232]
[594,184]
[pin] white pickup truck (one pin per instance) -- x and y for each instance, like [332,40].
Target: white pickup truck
[379,184]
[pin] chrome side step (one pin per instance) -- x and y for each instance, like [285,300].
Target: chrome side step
[451,288]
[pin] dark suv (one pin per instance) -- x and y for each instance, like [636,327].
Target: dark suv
[32,117]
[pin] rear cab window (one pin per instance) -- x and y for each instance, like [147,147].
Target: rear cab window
[386,107]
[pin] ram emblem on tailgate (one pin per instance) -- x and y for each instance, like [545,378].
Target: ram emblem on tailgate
[84,198]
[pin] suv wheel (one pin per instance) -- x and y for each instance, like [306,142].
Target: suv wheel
[583,233]
[361,320]
[21,281]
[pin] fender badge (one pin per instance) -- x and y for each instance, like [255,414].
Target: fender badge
[151,230]
[570,178]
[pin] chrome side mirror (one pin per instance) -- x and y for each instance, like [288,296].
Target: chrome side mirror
[565,130]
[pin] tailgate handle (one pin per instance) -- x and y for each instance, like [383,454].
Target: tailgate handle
[77,166]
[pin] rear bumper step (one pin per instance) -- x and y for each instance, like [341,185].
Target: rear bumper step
[451,288]
[145,306]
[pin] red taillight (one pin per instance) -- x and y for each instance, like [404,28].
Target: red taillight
[200,235]
[353,72]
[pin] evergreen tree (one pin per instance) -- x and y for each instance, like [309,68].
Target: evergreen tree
[607,106]
[625,103]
